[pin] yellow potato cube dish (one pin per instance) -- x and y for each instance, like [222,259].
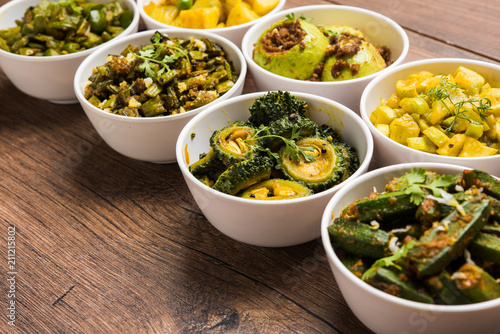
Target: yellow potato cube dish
[208,14]
[447,114]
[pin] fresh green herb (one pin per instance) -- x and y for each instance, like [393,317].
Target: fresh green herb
[152,53]
[414,182]
[295,152]
[389,261]
[291,17]
[442,93]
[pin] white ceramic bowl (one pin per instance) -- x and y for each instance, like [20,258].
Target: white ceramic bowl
[385,313]
[48,78]
[266,223]
[149,139]
[378,29]
[233,33]
[388,152]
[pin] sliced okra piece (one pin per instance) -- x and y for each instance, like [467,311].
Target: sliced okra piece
[153,107]
[396,283]
[480,179]
[475,283]
[486,247]
[383,208]
[355,263]
[445,289]
[445,241]
[359,238]
[492,228]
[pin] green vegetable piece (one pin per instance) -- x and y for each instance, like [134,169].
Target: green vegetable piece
[153,90]
[446,241]
[126,18]
[481,179]
[382,207]
[486,247]
[492,228]
[184,4]
[208,163]
[153,107]
[275,105]
[359,238]
[296,125]
[445,289]
[321,164]
[396,283]
[234,143]
[71,47]
[276,189]
[244,174]
[356,264]
[475,283]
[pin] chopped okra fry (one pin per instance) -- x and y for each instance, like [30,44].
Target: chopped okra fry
[169,76]
[58,28]
[451,242]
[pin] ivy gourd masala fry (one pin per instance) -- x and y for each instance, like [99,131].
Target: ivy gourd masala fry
[64,27]
[442,248]
[167,77]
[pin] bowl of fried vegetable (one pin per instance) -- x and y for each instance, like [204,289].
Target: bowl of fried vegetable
[140,91]
[327,50]
[43,42]
[262,166]
[415,248]
[227,18]
[436,110]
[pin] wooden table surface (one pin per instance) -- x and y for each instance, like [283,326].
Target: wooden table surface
[106,244]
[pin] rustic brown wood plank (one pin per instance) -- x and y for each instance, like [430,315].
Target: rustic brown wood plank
[106,244]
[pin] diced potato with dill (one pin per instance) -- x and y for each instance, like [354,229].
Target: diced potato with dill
[422,144]
[406,88]
[241,13]
[453,146]
[402,128]
[262,7]
[493,95]
[474,130]
[439,111]
[417,105]
[199,18]
[383,128]
[393,101]
[383,115]
[474,148]
[470,80]
[436,136]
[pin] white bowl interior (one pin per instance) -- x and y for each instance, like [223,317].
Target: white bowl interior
[233,33]
[388,152]
[378,29]
[48,78]
[382,312]
[133,137]
[265,223]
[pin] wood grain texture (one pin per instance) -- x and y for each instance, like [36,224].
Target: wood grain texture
[106,244]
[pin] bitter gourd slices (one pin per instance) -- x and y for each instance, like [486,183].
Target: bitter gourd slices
[276,189]
[206,164]
[446,241]
[295,124]
[244,174]
[234,143]
[325,171]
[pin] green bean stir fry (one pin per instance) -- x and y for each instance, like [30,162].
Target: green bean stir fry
[167,77]
[58,28]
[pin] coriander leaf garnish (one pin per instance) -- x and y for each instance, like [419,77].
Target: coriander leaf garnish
[295,152]
[415,182]
[152,53]
[389,261]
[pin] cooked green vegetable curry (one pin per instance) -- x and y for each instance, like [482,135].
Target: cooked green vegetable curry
[167,77]
[58,28]
[428,237]
[279,153]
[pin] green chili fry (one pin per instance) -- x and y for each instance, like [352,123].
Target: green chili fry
[67,26]
[167,77]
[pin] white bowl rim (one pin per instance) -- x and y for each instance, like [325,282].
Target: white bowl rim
[146,17]
[247,52]
[79,54]
[172,32]
[325,238]
[235,99]
[364,113]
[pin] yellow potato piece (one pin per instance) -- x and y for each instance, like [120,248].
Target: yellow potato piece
[403,128]
[199,18]
[474,148]
[453,146]
[241,13]
[262,7]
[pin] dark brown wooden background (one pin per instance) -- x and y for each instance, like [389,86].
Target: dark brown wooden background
[106,244]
